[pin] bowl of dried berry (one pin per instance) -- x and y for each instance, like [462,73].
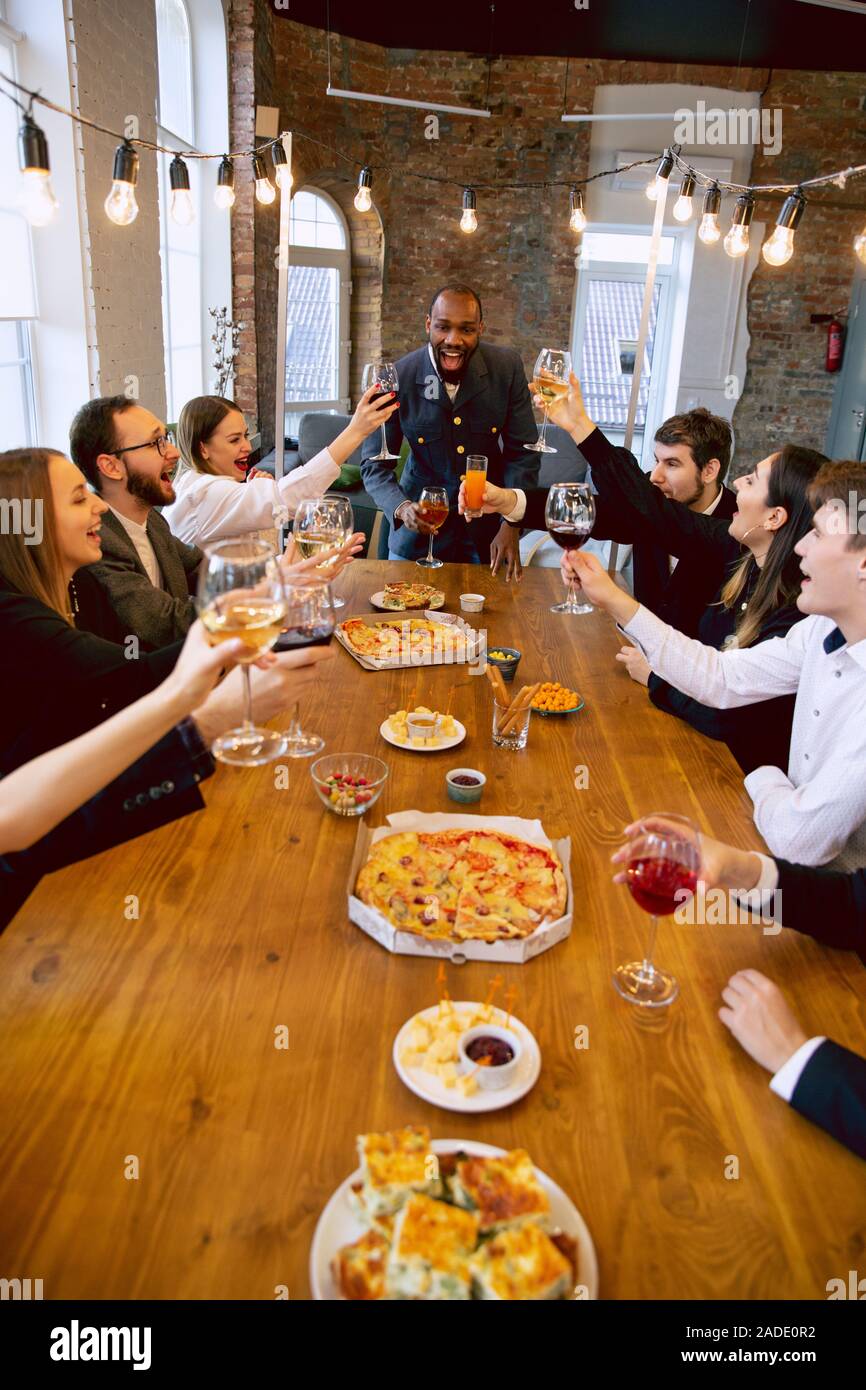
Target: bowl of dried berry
[465,784]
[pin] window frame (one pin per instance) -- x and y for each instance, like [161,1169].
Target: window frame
[341,261]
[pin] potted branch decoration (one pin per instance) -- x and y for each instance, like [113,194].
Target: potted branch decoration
[225,339]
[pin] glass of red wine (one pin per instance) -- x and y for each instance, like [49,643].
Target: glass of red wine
[570,516]
[309,622]
[433,507]
[661,873]
[383,375]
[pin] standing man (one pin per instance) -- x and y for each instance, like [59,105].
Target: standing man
[458,396]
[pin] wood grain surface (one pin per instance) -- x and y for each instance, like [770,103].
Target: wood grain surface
[154,1037]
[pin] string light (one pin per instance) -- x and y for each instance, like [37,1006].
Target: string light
[779,247]
[469,219]
[282,172]
[265,191]
[120,205]
[709,231]
[736,242]
[577,220]
[181,207]
[363,197]
[224,193]
[860,246]
[36,196]
[683,205]
[663,173]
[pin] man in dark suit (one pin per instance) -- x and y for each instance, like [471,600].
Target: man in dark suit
[458,396]
[149,575]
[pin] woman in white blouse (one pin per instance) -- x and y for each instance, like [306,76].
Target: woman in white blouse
[210,501]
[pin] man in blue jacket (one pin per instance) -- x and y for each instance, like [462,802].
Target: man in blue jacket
[458,396]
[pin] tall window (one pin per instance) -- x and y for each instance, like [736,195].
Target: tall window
[17,296]
[317,348]
[180,247]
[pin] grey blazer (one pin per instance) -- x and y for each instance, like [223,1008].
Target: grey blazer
[155,616]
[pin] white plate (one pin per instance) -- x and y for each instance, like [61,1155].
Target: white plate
[430,1088]
[376,600]
[338,1225]
[426,748]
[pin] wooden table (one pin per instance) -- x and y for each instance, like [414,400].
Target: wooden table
[154,1037]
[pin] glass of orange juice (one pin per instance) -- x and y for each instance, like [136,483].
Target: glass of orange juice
[476,477]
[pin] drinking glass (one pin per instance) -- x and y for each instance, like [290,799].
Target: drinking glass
[309,622]
[476,477]
[570,516]
[383,375]
[661,874]
[433,507]
[321,522]
[550,380]
[241,593]
[510,728]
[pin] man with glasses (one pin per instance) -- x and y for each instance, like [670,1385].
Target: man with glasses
[128,457]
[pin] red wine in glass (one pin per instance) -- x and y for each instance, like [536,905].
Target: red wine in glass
[660,886]
[311,635]
[569,536]
[662,874]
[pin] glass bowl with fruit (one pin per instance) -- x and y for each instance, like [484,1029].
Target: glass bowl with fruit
[349,783]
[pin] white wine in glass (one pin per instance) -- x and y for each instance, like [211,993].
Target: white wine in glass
[550,380]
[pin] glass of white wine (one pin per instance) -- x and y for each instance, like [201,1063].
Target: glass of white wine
[341,519]
[241,594]
[550,380]
[383,375]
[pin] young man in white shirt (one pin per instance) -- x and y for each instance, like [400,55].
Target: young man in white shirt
[815,813]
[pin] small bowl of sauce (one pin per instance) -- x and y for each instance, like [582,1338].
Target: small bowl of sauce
[423,725]
[493,1053]
[465,784]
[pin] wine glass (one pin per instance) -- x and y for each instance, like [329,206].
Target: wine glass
[309,622]
[550,380]
[318,526]
[661,874]
[241,594]
[383,375]
[433,507]
[331,516]
[570,516]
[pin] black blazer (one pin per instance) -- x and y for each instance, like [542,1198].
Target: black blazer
[632,511]
[55,683]
[492,405]
[831,1092]
[826,904]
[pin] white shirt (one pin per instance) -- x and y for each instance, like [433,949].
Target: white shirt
[209,507]
[141,540]
[816,812]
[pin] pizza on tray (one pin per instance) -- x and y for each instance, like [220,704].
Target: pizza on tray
[457,885]
[390,637]
[401,595]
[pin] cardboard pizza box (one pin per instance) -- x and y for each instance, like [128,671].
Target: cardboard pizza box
[473,648]
[402,943]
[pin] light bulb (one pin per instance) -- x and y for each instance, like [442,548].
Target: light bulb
[181,207]
[363,199]
[779,247]
[736,242]
[223,196]
[36,197]
[265,191]
[577,220]
[860,246]
[709,231]
[120,205]
[683,208]
[283,176]
[468,220]
[652,188]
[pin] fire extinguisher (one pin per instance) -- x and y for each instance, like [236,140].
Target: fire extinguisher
[835,345]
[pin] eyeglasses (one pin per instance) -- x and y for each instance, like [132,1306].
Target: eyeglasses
[161,444]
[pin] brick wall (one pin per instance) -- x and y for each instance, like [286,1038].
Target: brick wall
[117,76]
[521,257]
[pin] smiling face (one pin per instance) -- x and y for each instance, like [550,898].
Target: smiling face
[228,449]
[678,476]
[144,473]
[454,329]
[755,522]
[77,515]
[834,572]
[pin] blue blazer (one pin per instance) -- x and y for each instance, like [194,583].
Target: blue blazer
[491,414]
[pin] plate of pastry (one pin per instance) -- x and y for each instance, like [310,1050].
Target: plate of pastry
[436,1220]
[400,595]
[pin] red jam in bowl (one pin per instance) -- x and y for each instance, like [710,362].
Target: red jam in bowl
[497,1049]
[464,781]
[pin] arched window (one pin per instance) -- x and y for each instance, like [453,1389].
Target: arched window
[174,43]
[317,328]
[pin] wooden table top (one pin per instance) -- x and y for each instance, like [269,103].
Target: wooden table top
[154,1037]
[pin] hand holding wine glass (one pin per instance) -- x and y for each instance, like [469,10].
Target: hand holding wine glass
[664,858]
[383,375]
[550,381]
[432,508]
[565,408]
[570,516]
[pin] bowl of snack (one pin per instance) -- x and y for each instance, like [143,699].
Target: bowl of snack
[553,698]
[491,1054]
[349,783]
[506,660]
[472,603]
[435,730]
[465,784]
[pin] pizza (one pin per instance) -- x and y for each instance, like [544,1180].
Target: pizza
[459,885]
[393,638]
[401,595]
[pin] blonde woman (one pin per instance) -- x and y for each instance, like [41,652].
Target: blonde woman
[211,503]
